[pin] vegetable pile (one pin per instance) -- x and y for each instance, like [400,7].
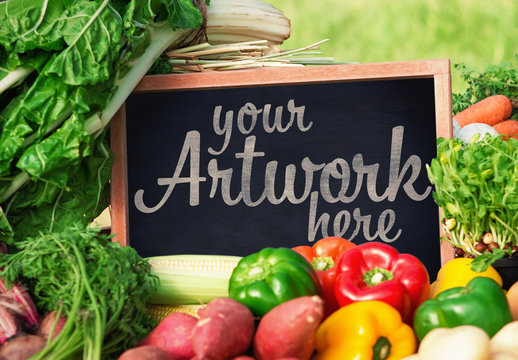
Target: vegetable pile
[489,104]
[369,325]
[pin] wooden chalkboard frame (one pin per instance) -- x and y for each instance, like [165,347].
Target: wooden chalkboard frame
[438,69]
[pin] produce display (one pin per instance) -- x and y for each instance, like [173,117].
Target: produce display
[67,291]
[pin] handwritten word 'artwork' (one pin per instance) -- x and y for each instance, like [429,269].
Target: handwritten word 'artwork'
[229,171]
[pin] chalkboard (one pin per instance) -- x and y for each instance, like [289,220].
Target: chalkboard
[231,163]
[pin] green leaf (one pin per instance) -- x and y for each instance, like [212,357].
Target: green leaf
[43,205]
[93,42]
[482,262]
[183,14]
[51,158]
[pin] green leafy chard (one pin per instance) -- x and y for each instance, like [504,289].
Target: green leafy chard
[66,67]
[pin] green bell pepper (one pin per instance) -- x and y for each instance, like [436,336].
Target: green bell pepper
[480,303]
[270,277]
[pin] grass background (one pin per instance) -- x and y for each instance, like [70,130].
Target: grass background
[477,33]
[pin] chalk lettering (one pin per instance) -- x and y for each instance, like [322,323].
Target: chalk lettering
[245,127]
[191,148]
[342,222]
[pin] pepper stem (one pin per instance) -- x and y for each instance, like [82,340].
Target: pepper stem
[322,263]
[381,350]
[376,276]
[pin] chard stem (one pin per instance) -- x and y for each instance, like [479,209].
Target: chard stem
[161,39]
[18,181]
[14,77]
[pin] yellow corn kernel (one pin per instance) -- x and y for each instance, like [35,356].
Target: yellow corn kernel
[160,312]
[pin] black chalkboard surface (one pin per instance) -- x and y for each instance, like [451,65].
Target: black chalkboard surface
[232,169]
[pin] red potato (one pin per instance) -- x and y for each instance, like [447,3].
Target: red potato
[51,325]
[490,110]
[146,352]
[22,347]
[224,330]
[173,335]
[288,330]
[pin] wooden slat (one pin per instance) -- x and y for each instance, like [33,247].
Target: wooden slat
[303,75]
[119,183]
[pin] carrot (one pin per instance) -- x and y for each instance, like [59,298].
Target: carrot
[490,110]
[507,127]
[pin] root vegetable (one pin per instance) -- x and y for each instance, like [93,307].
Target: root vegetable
[51,325]
[490,110]
[22,347]
[504,341]
[512,299]
[146,352]
[173,335]
[288,330]
[507,127]
[224,330]
[8,324]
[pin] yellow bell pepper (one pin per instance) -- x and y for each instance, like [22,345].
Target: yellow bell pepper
[364,330]
[457,273]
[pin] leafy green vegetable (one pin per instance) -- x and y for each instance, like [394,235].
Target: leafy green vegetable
[100,287]
[477,185]
[496,79]
[66,67]
[481,263]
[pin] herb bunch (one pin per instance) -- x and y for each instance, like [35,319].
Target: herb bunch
[476,186]
[100,288]
[497,79]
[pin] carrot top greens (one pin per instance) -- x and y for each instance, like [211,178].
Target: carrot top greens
[496,79]
[100,287]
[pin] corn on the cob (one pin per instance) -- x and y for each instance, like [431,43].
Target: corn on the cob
[191,279]
[160,312]
[230,21]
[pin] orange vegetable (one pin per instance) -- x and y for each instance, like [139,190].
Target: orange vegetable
[512,299]
[507,127]
[490,110]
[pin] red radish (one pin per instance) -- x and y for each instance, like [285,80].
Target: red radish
[225,330]
[8,325]
[146,352]
[490,110]
[22,347]
[29,313]
[507,127]
[173,335]
[288,330]
[51,325]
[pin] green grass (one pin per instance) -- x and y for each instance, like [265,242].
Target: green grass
[478,33]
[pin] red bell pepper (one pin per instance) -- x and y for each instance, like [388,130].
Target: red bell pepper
[324,256]
[377,271]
